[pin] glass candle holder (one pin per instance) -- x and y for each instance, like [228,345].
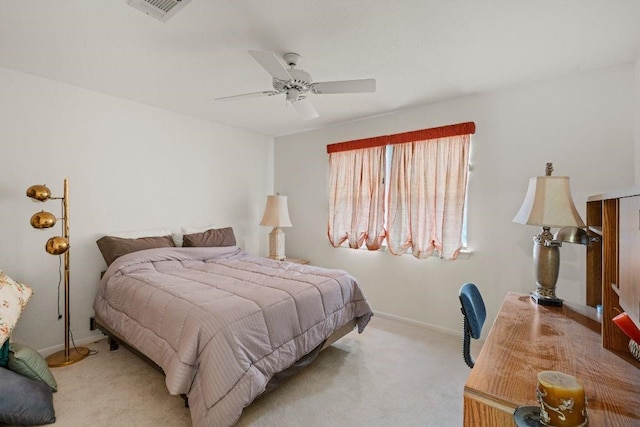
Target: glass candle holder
[562,399]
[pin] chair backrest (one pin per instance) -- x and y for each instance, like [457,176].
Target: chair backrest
[474,314]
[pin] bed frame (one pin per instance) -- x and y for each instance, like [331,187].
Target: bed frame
[115,340]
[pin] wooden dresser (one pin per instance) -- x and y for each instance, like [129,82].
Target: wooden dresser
[613,266]
[527,338]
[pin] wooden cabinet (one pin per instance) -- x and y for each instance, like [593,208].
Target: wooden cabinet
[613,271]
[628,254]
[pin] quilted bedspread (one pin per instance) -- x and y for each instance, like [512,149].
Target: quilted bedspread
[221,323]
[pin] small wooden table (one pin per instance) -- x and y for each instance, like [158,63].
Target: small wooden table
[527,338]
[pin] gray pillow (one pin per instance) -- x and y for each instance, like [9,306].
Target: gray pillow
[210,238]
[24,401]
[113,247]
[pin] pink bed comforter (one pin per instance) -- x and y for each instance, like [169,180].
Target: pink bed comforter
[221,323]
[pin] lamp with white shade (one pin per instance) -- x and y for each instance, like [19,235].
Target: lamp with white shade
[548,204]
[276,215]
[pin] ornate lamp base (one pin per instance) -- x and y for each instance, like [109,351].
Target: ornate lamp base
[276,244]
[542,300]
[546,263]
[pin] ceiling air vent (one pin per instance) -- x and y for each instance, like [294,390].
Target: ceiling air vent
[159,9]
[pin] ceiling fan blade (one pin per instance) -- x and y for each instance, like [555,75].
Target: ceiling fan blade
[304,107]
[270,63]
[345,86]
[247,96]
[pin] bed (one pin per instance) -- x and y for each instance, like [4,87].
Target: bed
[223,325]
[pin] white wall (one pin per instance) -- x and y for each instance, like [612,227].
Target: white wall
[583,124]
[130,166]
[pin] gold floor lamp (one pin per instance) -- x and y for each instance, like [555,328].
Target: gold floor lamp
[58,245]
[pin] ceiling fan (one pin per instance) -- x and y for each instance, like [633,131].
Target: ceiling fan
[297,83]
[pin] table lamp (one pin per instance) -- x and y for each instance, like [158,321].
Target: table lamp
[548,203]
[276,215]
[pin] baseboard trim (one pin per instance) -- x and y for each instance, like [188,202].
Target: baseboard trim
[418,323]
[93,338]
[79,342]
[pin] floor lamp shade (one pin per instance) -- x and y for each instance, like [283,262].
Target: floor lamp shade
[276,215]
[548,203]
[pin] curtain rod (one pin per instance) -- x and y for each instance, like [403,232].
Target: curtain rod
[466,128]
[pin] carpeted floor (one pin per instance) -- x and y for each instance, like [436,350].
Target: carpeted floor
[393,374]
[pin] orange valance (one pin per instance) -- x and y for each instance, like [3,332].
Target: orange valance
[467,128]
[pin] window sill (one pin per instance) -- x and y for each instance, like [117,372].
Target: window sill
[463,254]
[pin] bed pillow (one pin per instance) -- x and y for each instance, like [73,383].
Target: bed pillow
[14,297]
[24,401]
[210,238]
[113,247]
[193,230]
[135,234]
[178,238]
[29,363]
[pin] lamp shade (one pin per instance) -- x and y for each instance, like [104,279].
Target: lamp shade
[276,212]
[548,203]
[39,192]
[57,245]
[43,220]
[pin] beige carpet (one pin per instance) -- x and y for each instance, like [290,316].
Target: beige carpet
[393,374]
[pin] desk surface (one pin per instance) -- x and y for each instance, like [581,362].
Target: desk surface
[527,338]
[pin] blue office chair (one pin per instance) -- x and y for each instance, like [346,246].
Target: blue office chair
[474,314]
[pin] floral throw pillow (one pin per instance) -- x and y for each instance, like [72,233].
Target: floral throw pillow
[14,297]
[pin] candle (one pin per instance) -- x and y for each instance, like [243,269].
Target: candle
[562,400]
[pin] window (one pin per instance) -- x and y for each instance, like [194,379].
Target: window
[406,189]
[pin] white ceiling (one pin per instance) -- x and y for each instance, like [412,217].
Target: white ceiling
[419,51]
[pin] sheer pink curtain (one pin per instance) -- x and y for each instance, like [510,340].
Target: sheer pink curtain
[356,199]
[427,190]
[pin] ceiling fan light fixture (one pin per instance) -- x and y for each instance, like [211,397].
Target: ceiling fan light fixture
[291,59]
[292,95]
